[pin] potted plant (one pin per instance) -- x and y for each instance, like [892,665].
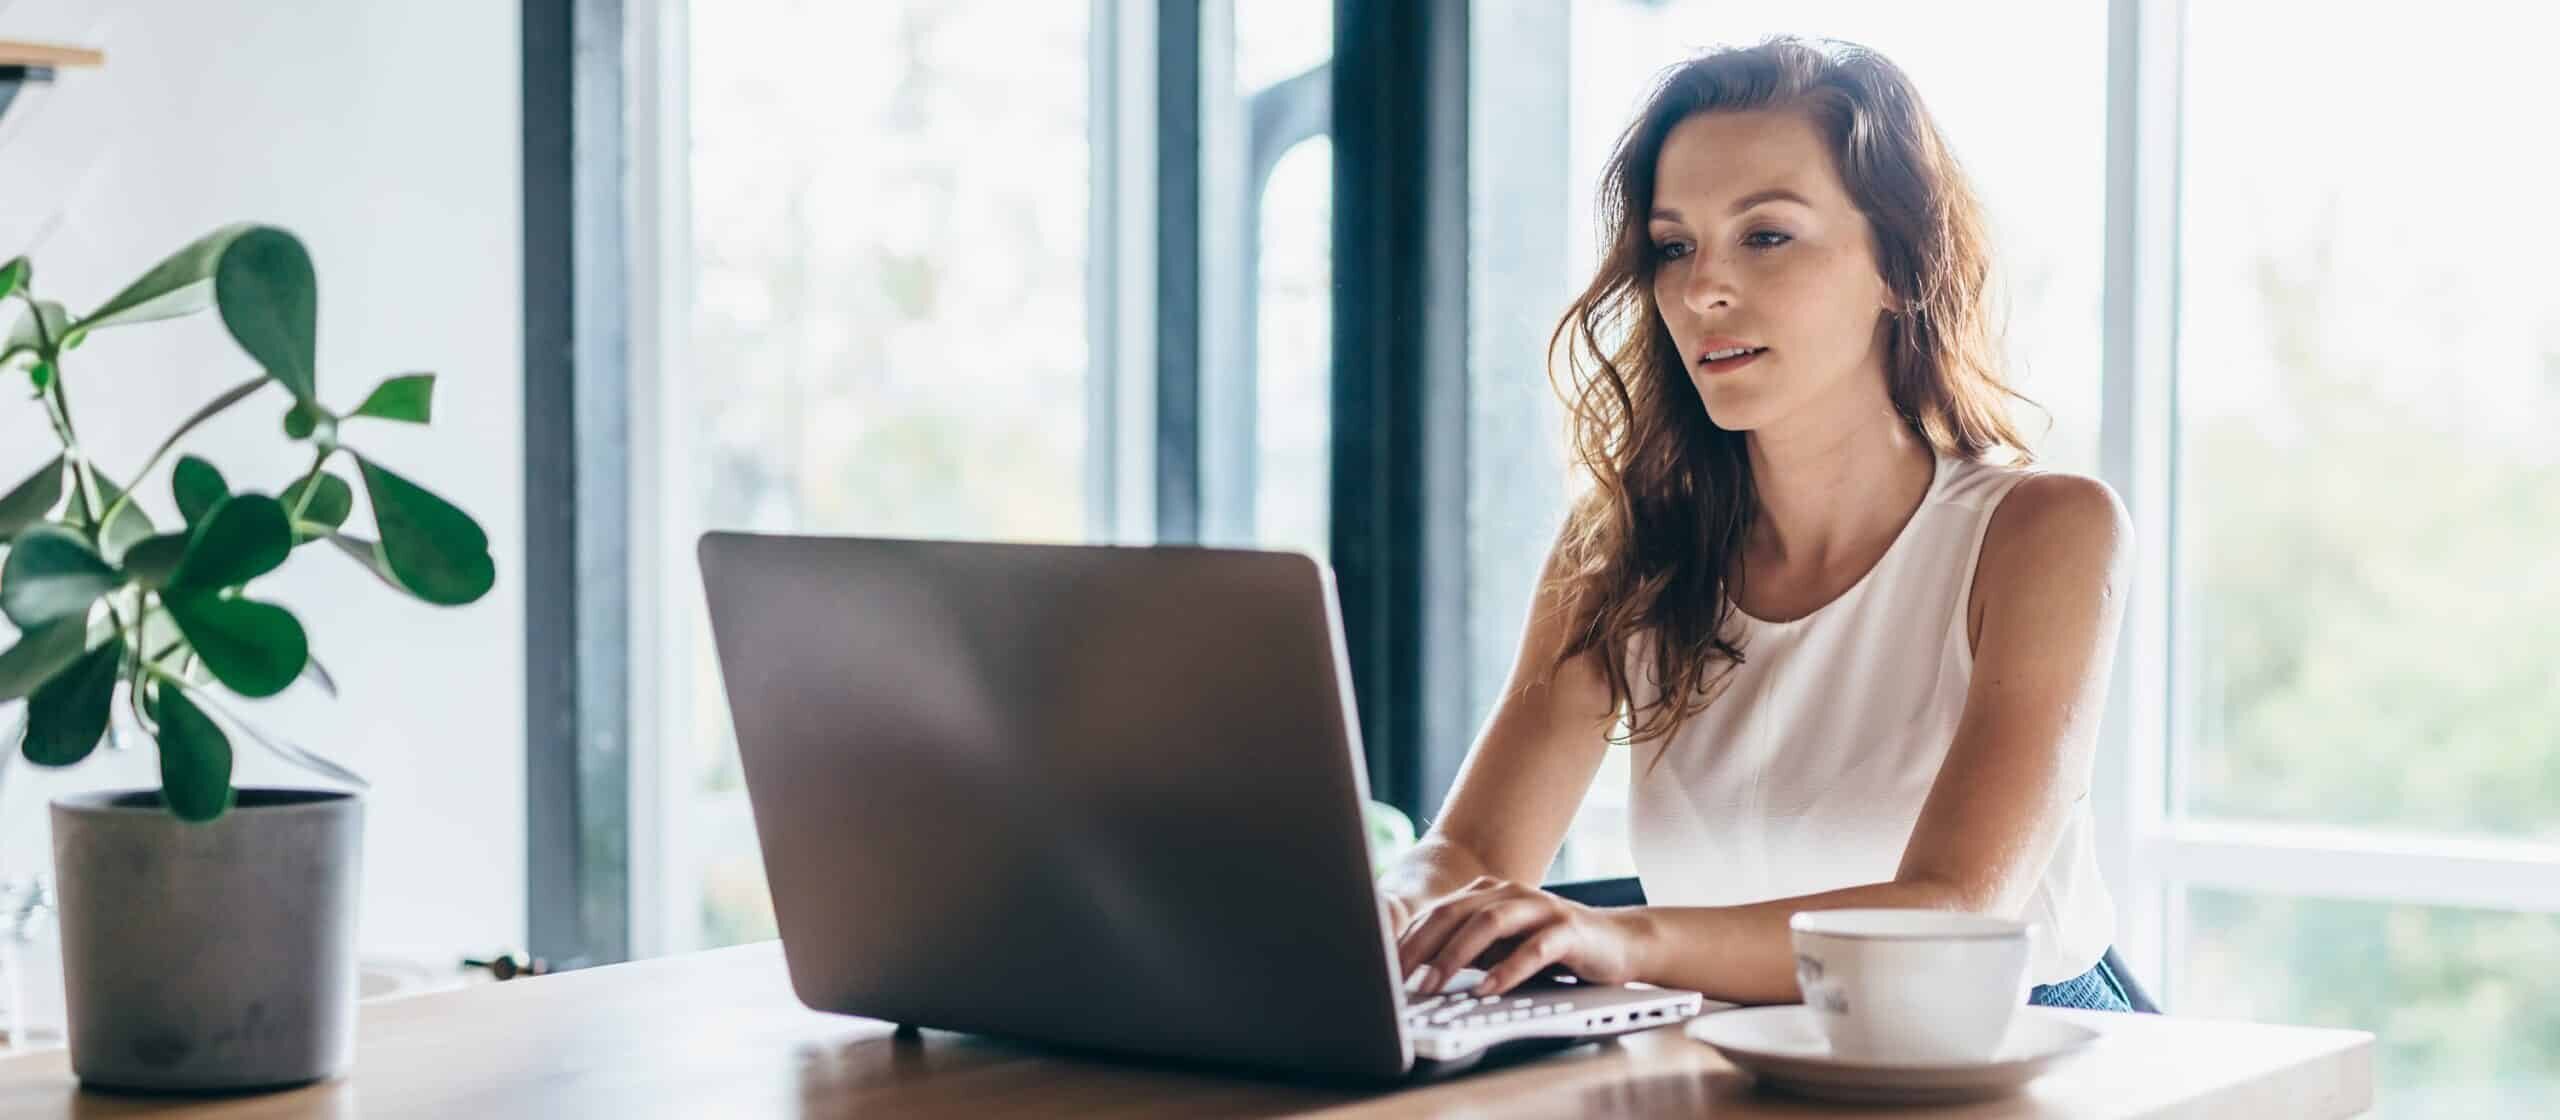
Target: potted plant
[207,932]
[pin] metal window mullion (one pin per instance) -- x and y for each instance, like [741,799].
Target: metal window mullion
[2137,446]
[1271,122]
[1229,221]
[1399,408]
[664,897]
[1177,282]
[1101,272]
[1120,280]
[2522,878]
[577,454]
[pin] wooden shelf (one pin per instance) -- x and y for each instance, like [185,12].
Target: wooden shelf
[13,53]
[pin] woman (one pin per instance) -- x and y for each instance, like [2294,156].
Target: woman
[1860,660]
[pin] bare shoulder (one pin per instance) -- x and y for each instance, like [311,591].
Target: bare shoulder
[2056,548]
[2055,533]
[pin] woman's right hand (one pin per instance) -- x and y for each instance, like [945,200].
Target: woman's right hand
[1398,911]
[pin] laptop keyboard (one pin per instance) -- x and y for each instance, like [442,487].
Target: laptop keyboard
[1457,1023]
[1461,1010]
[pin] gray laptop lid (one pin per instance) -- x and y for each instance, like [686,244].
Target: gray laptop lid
[1099,796]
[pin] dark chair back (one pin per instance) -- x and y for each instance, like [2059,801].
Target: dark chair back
[1630,892]
[1601,892]
[2134,993]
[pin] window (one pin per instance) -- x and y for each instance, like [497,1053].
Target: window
[1267,274]
[2369,378]
[2464,1000]
[1293,362]
[891,312]
[2037,160]
[2370,381]
[888,323]
[2330,380]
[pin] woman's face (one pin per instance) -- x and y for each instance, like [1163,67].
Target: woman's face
[1756,244]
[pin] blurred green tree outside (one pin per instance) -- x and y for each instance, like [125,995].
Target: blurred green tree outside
[2377,617]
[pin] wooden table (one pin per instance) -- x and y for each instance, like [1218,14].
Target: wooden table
[718,1034]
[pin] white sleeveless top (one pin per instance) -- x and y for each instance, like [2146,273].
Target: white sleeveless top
[1807,771]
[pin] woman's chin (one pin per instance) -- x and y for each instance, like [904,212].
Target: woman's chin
[1734,409]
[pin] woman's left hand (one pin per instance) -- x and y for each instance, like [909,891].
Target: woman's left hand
[1541,931]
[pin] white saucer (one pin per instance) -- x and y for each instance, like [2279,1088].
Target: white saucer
[1783,1047]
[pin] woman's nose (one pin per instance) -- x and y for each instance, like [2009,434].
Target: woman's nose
[1708,288]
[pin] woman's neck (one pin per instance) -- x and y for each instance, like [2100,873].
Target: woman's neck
[1833,486]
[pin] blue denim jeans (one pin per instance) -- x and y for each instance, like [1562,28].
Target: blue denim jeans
[2094,990]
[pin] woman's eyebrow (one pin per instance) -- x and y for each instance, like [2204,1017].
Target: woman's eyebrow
[1755,198]
[1773,194]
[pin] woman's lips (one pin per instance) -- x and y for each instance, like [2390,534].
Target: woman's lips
[1729,365]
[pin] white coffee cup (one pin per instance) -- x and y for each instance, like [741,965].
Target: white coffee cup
[1911,986]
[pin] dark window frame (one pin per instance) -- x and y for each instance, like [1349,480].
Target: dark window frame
[577,576]
[1399,534]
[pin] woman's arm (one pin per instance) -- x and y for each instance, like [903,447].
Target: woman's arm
[1516,795]
[2049,599]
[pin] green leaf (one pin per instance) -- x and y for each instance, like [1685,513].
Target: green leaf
[180,285]
[39,654]
[1390,835]
[66,717]
[40,375]
[195,757]
[285,748]
[409,398]
[368,553]
[13,276]
[244,537]
[128,526]
[318,674]
[158,632]
[253,648]
[197,486]
[31,500]
[331,501]
[434,550]
[51,575]
[306,417]
[264,288]
[154,560]
[23,336]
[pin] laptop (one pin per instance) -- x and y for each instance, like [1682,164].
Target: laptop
[1103,798]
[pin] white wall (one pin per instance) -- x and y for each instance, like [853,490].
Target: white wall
[386,133]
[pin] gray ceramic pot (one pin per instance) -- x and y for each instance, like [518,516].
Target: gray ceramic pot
[209,957]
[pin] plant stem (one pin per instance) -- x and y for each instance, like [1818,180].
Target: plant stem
[145,609]
[163,678]
[61,431]
[121,628]
[48,350]
[53,416]
[302,501]
[234,395]
[141,713]
[135,683]
[82,470]
[133,648]
[133,664]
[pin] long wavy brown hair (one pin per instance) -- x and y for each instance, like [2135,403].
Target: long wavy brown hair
[1652,546]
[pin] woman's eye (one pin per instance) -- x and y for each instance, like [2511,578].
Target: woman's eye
[1775,239]
[1670,250]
